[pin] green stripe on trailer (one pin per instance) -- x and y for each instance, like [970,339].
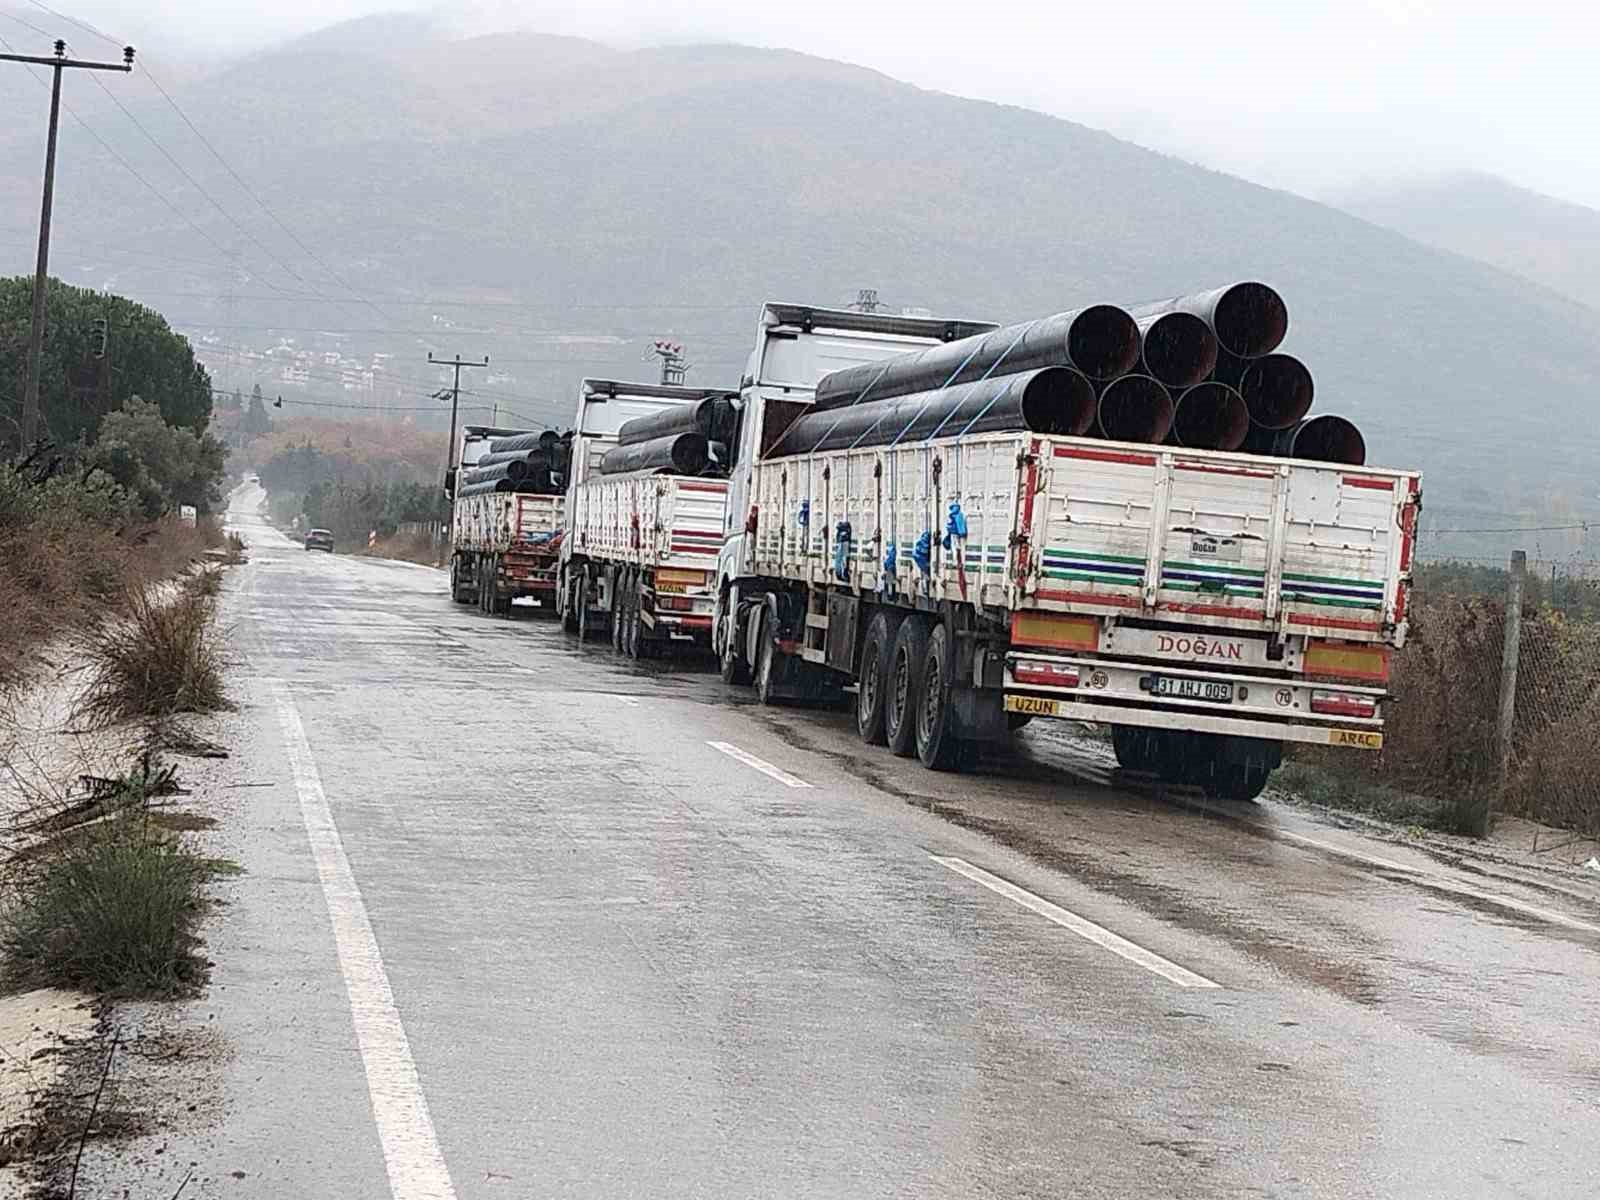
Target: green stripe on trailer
[1233,589]
[1336,581]
[1329,601]
[1114,580]
[1215,568]
[1057,552]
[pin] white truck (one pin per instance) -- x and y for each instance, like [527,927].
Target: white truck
[639,555]
[503,545]
[1208,606]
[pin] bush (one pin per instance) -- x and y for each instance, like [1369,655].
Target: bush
[113,910]
[161,657]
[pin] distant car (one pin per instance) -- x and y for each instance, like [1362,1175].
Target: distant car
[319,539]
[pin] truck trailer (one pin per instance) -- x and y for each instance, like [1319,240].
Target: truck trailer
[639,557]
[1208,606]
[504,546]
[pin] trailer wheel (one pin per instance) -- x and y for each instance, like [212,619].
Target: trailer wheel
[903,694]
[873,680]
[618,609]
[938,743]
[770,665]
[457,592]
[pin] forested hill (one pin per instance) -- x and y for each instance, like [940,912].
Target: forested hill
[618,194]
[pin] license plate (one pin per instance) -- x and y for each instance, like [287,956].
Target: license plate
[1361,739]
[1193,689]
[1034,706]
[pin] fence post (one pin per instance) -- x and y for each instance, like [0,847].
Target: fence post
[1508,667]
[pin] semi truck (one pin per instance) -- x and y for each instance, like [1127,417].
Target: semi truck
[504,546]
[639,556]
[1208,606]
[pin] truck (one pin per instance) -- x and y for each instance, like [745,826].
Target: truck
[1208,606]
[503,545]
[639,557]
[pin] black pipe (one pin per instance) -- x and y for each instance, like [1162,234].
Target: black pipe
[1210,416]
[485,489]
[1177,348]
[515,469]
[1055,400]
[1248,318]
[525,441]
[1100,341]
[683,453]
[1328,439]
[1135,408]
[714,417]
[1277,388]
[532,456]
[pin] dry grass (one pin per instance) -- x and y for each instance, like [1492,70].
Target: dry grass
[410,547]
[161,656]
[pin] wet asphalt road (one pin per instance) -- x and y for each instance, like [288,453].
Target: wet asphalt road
[629,963]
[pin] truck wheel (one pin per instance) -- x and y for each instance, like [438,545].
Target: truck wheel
[618,610]
[730,661]
[580,598]
[903,695]
[873,681]
[769,663]
[938,743]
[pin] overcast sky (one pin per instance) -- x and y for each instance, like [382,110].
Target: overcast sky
[1310,95]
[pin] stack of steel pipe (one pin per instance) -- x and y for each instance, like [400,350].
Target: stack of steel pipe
[1199,370]
[686,439]
[526,462]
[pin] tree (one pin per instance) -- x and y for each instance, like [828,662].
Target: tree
[161,465]
[147,359]
[257,420]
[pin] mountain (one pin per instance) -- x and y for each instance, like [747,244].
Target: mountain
[1549,241]
[555,203]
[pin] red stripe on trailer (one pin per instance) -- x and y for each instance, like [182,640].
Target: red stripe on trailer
[1208,469]
[1334,622]
[1116,456]
[1030,480]
[692,548]
[1364,481]
[1213,610]
[702,487]
[1104,598]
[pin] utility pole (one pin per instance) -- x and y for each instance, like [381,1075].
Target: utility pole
[1509,655]
[57,63]
[673,367]
[866,300]
[455,403]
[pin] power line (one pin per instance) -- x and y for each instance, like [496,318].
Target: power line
[1584,525]
[73,21]
[28,25]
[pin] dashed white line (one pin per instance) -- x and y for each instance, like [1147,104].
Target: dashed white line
[1081,926]
[760,764]
[411,1151]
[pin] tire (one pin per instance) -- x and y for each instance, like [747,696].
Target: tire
[564,609]
[618,619]
[1016,722]
[938,741]
[772,669]
[903,696]
[730,663]
[872,681]
[580,596]
[629,639]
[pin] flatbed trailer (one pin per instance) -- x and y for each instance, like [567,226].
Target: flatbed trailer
[1209,606]
[504,546]
[639,557]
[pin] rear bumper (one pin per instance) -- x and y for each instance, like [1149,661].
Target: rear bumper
[1120,693]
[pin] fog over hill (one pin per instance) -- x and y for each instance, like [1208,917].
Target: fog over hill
[557,202]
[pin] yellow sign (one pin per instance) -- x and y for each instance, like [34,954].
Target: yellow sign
[1034,706]
[1361,739]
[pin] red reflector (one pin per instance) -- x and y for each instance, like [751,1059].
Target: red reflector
[674,603]
[1343,704]
[1044,674]
[750,521]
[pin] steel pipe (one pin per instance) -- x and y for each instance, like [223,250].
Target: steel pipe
[530,456]
[1328,439]
[1210,416]
[1100,341]
[1055,400]
[683,453]
[1135,408]
[1277,388]
[1177,348]
[525,441]
[714,417]
[1248,318]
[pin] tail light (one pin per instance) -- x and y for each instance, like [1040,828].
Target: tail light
[1040,673]
[750,521]
[1343,704]
[674,603]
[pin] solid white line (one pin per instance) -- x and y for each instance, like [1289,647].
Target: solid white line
[410,1146]
[760,764]
[1081,926]
[1443,883]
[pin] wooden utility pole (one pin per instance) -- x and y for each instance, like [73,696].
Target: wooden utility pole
[455,403]
[1509,657]
[57,63]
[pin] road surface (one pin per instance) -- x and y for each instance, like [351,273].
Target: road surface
[519,918]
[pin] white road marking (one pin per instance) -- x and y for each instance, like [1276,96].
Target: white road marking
[630,701]
[1081,926]
[410,1147]
[760,764]
[1434,879]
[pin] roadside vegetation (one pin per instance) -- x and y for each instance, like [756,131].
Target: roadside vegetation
[160,656]
[1439,766]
